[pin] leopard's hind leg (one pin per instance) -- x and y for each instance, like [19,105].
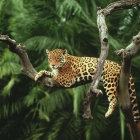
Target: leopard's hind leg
[110,85]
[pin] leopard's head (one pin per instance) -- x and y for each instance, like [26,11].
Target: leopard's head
[57,58]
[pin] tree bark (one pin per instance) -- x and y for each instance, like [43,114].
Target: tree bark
[103,55]
[123,92]
[27,67]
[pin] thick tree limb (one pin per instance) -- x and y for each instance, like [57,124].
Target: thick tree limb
[119,5]
[27,67]
[123,94]
[101,13]
[127,54]
[104,52]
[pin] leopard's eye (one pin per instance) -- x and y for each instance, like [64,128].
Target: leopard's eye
[58,59]
[48,58]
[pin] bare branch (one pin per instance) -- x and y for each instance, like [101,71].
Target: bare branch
[27,67]
[104,52]
[123,94]
[119,5]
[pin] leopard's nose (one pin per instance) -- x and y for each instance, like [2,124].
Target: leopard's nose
[53,66]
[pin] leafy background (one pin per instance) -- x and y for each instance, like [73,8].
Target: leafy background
[31,111]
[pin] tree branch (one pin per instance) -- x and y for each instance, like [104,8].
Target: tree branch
[104,52]
[27,67]
[123,94]
[127,55]
[119,5]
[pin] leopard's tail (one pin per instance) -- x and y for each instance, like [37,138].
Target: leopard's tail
[133,100]
[135,110]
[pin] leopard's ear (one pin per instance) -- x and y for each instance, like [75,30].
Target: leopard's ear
[64,52]
[47,51]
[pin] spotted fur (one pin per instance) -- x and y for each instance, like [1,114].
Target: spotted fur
[68,70]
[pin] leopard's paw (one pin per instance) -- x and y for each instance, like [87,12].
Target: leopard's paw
[40,74]
[109,112]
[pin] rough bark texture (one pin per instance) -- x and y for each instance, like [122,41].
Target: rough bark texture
[123,95]
[119,5]
[104,52]
[27,67]
[127,55]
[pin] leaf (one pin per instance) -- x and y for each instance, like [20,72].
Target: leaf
[9,64]
[122,123]
[7,89]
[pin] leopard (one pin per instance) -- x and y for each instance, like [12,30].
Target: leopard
[69,70]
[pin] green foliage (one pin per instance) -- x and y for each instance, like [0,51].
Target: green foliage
[9,67]
[33,112]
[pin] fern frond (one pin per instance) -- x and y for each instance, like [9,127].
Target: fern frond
[9,64]
[122,124]
[71,8]
[8,109]
[7,89]
[33,96]
[78,98]
[40,43]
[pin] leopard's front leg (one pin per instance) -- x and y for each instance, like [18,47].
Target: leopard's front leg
[42,73]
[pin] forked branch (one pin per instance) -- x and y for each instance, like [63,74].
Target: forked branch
[123,94]
[27,67]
